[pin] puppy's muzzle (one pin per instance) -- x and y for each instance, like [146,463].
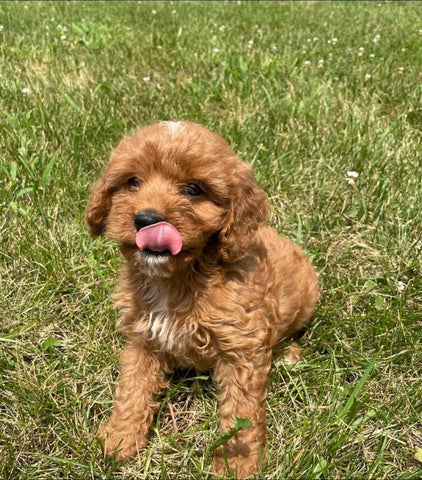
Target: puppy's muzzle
[145,218]
[155,235]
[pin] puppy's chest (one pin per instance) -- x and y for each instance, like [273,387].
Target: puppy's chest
[177,331]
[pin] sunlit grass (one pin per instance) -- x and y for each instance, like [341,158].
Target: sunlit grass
[308,92]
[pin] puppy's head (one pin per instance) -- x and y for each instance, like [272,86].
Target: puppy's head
[173,193]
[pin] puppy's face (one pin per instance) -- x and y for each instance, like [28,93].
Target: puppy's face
[173,193]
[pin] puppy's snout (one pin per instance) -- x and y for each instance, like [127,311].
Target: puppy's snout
[145,218]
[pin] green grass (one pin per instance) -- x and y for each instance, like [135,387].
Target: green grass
[305,91]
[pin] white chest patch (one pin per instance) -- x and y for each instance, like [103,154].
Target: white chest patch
[159,326]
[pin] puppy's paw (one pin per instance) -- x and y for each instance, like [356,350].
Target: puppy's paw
[238,466]
[119,442]
[292,354]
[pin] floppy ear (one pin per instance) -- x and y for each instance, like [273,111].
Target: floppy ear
[98,207]
[248,210]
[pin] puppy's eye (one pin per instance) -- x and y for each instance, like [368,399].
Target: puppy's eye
[193,190]
[134,182]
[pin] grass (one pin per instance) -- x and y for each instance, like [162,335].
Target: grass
[305,91]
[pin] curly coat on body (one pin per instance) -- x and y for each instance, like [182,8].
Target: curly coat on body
[205,283]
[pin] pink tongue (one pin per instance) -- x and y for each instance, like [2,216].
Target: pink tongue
[159,237]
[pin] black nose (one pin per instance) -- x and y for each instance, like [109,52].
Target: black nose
[145,218]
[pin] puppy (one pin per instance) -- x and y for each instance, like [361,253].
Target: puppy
[204,284]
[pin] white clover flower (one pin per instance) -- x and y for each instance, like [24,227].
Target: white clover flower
[63,37]
[377,38]
[320,63]
[351,176]
[334,40]
[25,91]
[361,50]
[401,70]
[1,28]
[401,286]
[315,39]
[216,50]
[222,28]
[307,63]
[251,43]
[273,48]
[368,76]
[371,55]
[153,12]
[146,79]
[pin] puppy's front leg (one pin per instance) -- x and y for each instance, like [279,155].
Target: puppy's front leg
[242,391]
[142,379]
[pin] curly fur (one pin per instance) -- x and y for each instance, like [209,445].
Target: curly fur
[221,304]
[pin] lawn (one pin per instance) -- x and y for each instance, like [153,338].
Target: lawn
[325,99]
